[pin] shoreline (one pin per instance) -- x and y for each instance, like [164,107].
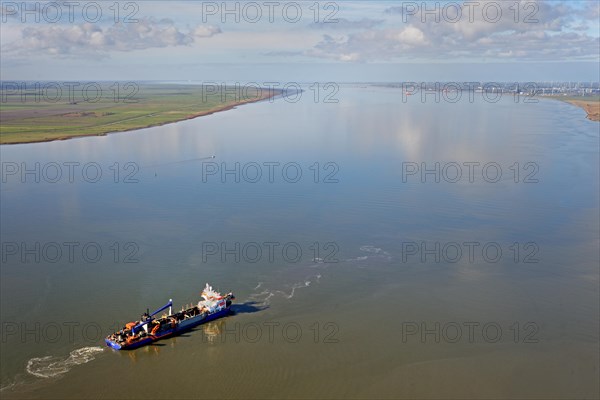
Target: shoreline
[270,94]
[592,110]
[591,105]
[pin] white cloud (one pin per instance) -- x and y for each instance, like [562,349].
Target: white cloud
[365,32]
[411,36]
[93,39]
[540,31]
[203,31]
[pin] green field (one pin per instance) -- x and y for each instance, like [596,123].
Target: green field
[572,98]
[31,114]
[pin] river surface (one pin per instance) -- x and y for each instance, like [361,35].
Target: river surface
[379,247]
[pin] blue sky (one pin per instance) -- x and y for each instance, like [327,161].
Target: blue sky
[301,41]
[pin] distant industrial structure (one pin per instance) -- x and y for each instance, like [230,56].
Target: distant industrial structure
[572,89]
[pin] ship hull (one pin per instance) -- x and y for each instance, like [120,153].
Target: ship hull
[180,328]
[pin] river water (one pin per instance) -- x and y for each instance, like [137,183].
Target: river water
[379,246]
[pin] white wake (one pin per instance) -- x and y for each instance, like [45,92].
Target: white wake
[52,366]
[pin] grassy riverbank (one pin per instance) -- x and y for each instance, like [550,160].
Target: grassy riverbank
[32,115]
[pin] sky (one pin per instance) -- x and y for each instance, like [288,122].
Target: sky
[301,41]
